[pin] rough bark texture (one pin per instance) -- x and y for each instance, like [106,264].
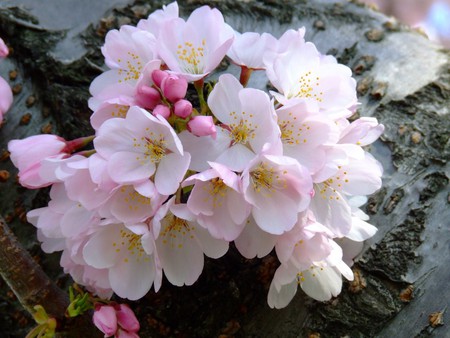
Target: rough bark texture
[32,286]
[403,80]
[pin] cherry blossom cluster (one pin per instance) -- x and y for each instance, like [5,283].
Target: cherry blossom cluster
[6,96]
[173,177]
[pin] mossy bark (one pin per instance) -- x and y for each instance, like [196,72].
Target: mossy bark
[403,80]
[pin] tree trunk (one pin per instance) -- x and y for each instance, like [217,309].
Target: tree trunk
[403,80]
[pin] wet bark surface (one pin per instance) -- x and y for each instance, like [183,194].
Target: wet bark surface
[403,80]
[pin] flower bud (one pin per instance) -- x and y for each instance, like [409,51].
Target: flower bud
[202,126]
[28,154]
[162,110]
[126,318]
[105,319]
[174,88]
[182,108]
[158,76]
[147,97]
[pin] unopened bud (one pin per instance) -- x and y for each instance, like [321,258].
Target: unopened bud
[147,97]
[202,126]
[162,110]
[158,76]
[174,88]
[182,108]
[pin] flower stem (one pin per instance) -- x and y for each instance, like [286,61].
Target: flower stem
[201,97]
[245,75]
[78,143]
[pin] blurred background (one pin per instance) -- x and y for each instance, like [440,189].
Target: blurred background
[432,16]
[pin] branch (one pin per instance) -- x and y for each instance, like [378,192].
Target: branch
[33,287]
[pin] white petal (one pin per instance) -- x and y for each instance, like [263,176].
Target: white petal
[321,283]
[132,279]
[170,172]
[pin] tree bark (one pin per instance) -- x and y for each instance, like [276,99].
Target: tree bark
[403,80]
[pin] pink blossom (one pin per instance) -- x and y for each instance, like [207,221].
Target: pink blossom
[248,49]
[157,19]
[127,255]
[132,204]
[253,241]
[284,43]
[304,131]
[202,126]
[182,242]
[129,54]
[182,108]
[302,72]
[27,155]
[94,280]
[203,148]
[306,243]
[141,146]
[128,50]
[321,280]
[194,48]
[6,97]
[248,121]
[106,320]
[362,131]
[278,189]
[217,201]
[108,109]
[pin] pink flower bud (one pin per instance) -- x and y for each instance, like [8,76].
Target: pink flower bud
[158,76]
[28,154]
[174,88]
[4,51]
[162,110]
[105,319]
[147,97]
[126,318]
[202,126]
[182,108]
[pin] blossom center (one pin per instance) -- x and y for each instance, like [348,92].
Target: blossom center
[267,180]
[175,230]
[329,188]
[131,244]
[291,133]
[241,132]
[192,57]
[306,86]
[133,198]
[131,69]
[218,190]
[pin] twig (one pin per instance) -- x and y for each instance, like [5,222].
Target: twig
[33,287]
